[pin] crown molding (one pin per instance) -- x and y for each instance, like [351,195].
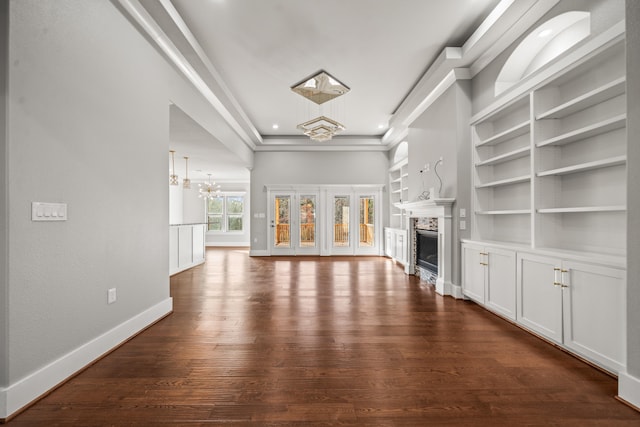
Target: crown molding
[508,21]
[177,44]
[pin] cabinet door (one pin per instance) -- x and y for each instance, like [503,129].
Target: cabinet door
[594,302]
[388,243]
[539,302]
[401,246]
[501,282]
[473,272]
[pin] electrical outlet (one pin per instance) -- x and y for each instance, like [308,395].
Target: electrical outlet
[463,225]
[111,296]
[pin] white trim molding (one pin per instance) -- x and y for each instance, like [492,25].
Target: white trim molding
[629,389]
[25,391]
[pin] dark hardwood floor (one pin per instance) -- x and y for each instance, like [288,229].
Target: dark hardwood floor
[313,341]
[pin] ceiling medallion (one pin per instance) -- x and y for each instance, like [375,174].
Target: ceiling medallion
[320,88]
[321,128]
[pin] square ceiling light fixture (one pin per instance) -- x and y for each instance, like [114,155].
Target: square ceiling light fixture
[320,88]
[321,128]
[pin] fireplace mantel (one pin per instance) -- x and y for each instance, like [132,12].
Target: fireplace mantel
[433,208]
[441,209]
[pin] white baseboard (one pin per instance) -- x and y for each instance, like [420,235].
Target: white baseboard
[21,393]
[254,252]
[629,389]
[186,267]
[456,291]
[228,244]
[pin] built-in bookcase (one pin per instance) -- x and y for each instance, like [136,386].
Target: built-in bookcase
[398,193]
[502,178]
[550,166]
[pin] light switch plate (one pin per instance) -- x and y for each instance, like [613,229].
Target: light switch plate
[111,296]
[48,211]
[463,213]
[463,225]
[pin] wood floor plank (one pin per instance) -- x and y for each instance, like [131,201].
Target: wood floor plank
[320,341]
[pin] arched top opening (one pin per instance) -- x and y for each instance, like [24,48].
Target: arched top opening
[402,152]
[542,45]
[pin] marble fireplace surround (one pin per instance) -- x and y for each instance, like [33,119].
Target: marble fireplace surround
[440,209]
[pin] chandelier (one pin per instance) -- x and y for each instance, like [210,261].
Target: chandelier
[321,128]
[173,178]
[320,88]
[208,190]
[186,182]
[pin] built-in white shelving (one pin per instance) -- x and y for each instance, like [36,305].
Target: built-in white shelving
[517,130]
[550,166]
[548,222]
[583,167]
[511,155]
[508,181]
[604,126]
[506,212]
[600,94]
[583,209]
[398,193]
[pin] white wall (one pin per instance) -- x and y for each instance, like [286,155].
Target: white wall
[88,125]
[633,195]
[193,207]
[4,165]
[78,135]
[443,131]
[185,207]
[176,204]
[310,167]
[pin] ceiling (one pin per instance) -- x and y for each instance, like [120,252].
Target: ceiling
[377,48]
[206,154]
[244,56]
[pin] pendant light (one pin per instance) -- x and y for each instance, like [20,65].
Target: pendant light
[173,178]
[186,182]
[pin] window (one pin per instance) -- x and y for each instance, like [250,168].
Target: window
[225,213]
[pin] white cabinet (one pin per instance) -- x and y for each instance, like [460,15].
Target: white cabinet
[186,246]
[396,244]
[549,184]
[473,272]
[489,278]
[539,301]
[579,305]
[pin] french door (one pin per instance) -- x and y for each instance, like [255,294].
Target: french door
[355,223]
[324,221]
[292,220]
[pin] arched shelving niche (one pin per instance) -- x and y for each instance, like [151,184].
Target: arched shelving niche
[542,45]
[401,152]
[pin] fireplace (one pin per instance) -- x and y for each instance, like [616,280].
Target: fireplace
[427,250]
[434,216]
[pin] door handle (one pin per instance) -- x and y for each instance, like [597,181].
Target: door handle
[564,282]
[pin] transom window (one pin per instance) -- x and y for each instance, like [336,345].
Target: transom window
[225,213]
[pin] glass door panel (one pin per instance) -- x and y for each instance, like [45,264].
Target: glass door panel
[341,221]
[281,229]
[307,210]
[367,231]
